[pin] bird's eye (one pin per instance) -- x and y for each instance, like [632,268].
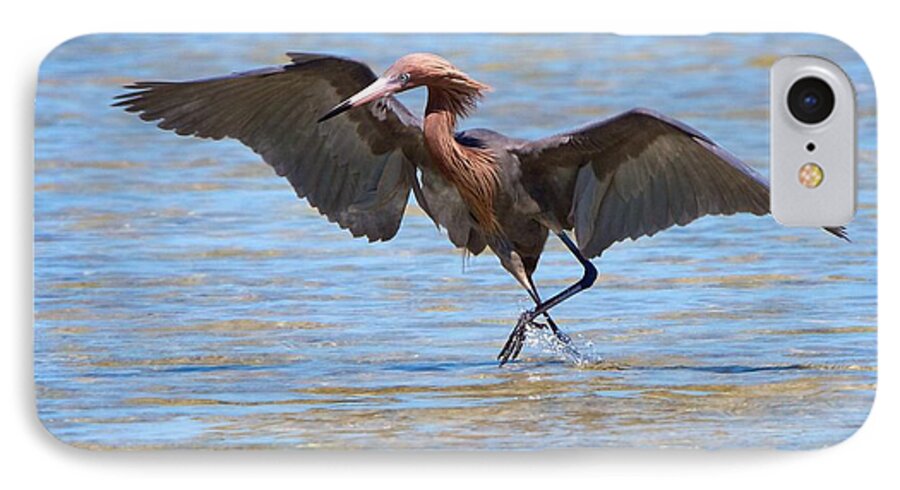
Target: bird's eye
[404,78]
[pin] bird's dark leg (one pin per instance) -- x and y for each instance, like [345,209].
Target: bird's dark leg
[586,281]
[553,327]
[517,337]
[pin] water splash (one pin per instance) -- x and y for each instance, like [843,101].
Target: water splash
[580,354]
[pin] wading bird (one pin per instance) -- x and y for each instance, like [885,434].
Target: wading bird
[628,176]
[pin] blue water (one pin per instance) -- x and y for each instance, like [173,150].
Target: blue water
[184,297]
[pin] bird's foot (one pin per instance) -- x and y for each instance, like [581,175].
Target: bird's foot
[560,335]
[516,339]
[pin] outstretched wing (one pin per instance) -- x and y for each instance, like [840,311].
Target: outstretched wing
[638,173]
[356,169]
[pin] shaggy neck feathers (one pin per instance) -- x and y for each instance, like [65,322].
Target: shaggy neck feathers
[471,170]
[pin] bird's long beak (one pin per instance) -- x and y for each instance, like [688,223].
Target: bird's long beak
[378,89]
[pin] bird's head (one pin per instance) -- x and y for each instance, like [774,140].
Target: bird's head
[417,70]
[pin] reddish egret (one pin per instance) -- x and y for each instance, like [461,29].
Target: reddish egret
[628,176]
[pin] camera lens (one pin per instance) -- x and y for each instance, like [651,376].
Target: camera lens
[810,100]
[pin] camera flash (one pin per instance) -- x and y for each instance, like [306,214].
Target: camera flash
[811,175]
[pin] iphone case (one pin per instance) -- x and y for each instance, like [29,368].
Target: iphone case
[185,296]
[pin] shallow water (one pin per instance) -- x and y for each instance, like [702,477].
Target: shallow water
[184,297]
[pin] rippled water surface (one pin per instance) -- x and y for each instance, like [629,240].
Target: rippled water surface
[184,297]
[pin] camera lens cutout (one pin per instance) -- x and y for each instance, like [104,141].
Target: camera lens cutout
[810,100]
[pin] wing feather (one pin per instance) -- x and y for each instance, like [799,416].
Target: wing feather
[355,169]
[640,173]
